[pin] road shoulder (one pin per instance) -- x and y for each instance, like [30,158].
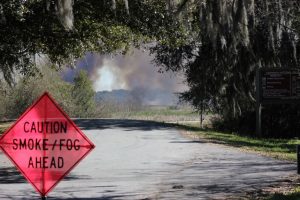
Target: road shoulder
[287,188]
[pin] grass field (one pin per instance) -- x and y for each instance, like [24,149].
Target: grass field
[155,113]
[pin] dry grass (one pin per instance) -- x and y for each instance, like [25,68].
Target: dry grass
[4,126]
[153,113]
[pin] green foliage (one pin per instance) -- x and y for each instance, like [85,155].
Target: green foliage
[217,44]
[2,99]
[33,27]
[77,99]
[83,96]
[228,41]
[17,98]
[293,195]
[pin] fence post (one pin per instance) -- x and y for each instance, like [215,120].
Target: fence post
[298,159]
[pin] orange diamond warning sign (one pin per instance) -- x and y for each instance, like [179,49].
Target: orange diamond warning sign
[45,144]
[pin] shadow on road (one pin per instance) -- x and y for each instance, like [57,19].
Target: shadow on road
[114,197]
[10,175]
[188,142]
[129,125]
[62,198]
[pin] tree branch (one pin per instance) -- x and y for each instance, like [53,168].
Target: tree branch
[181,6]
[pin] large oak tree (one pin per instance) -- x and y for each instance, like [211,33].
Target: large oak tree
[63,30]
[228,41]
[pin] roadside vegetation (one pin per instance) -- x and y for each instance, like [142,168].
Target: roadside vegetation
[166,114]
[76,99]
[292,195]
[284,149]
[4,126]
[295,195]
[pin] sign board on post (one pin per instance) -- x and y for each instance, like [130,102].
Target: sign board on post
[276,86]
[280,85]
[45,144]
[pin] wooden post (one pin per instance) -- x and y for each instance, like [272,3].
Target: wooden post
[201,115]
[298,159]
[258,104]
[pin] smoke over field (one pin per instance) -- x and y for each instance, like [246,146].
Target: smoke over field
[134,72]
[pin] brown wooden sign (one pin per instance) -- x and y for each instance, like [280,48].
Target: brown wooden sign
[281,85]
[276,86]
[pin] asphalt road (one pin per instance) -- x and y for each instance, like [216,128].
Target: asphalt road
[145,160]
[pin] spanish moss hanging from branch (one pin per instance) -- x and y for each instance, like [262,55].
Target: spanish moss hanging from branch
[65,13]
[234,38]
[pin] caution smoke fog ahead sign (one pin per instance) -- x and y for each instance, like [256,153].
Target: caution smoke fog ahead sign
[45,144]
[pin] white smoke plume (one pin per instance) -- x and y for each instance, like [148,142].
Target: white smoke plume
[134,72]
